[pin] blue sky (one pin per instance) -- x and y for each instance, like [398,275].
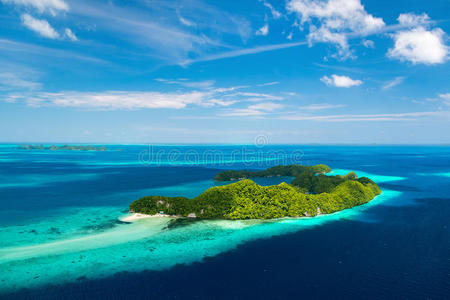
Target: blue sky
[296,71]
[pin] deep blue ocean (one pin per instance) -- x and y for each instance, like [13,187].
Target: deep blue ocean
[61,236]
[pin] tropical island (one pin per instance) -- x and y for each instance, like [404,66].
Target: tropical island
[310,193]
[63,147]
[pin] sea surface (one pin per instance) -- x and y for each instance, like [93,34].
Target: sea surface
[61,234]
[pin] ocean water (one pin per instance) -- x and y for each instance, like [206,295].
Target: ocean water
[61,234]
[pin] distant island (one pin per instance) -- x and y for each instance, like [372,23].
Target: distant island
[309,194]
[63,147]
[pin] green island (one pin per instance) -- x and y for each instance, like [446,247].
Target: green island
[63,147]
[309,194]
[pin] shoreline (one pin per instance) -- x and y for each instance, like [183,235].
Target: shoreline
[138,216]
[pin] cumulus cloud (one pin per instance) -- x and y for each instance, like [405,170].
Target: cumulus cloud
[42,27]
[417,43]
[41,6]
[419,46]
[332,21]
[413,20]
[263,30]
[340,81]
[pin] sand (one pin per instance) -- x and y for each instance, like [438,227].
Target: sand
[136,216]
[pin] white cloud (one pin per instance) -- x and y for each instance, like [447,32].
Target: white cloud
[368,44]
[340,81]
[115,100]
[243,112]
[332,21]
[47,52]
[70,35]
[413,20]
[396,81]
[263,30]
[42,27]
[255,97]
[218,102]
[439,100]
[266,106]
[157,29]
[13,81]
[153,27]
[229,89]
[275,14]
[205,84]
[51,6]
[445,96]
[201,93]
[254,110]
[419,46]
[186,22]
[321,106]
[200,15]
[409,116]
[242,52]
[269,83]
[417,43]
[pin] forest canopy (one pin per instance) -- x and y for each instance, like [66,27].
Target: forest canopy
[310,193]
[290,170]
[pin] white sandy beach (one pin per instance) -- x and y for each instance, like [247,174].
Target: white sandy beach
[136,216]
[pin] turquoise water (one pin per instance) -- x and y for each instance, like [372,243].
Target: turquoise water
[66,226]
[443,174]
[78,247]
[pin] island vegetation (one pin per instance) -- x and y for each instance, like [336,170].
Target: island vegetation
[63,147]
[310,193]
[288,171]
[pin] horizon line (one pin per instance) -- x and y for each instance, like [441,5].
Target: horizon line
[224,144]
